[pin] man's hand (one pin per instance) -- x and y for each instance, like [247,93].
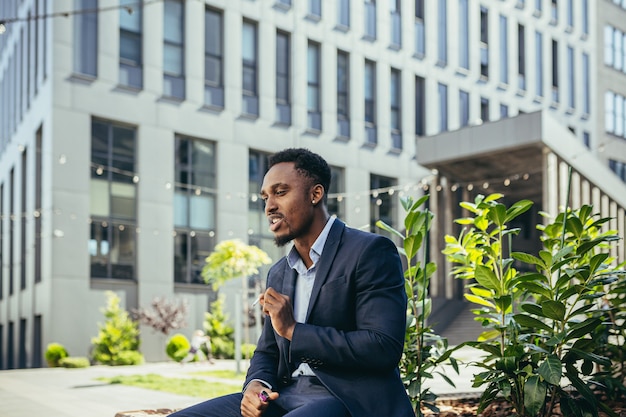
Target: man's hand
[278,307]
[252,404]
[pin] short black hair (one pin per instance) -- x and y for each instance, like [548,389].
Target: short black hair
[307,163]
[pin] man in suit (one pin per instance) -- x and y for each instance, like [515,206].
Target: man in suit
[335,311]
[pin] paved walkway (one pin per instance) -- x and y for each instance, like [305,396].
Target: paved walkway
[60,392]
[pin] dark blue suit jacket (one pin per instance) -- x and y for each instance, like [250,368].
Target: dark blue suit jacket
[353,336]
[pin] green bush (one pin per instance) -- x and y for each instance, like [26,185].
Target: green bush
[117,335]
[54,353]
[221,334]
[74,362]
[177,347]
[247,350]
[128,357]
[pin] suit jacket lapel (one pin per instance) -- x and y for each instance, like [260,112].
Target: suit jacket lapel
[326,260]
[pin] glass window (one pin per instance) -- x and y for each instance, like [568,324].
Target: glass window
[442,90]
[382,203]
[618,57]
[249,68]
[619,115]
[85,39]
[555,71]
[464,108]
[504,50]
[484,42]
[283,70]
[313,86]
[570,80]
[585,17]
[131,45]
[521,60]
[420,106]
[420,32]
[554,12]
[608,45]
[343,13]
[336,205]
[315,8]
[195,199]
[370,19]
[586,81]
[539,64]
[570,13]
[396,105]
[370,92]
[213,58]
[173,49]
[463,34]
[504,111]
[396,23]
[484,109]
[609,112]
[113,190]
[343,93]
[442,37]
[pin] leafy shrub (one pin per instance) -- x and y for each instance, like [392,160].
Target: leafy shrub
[118,334]
[247,350]
[128,357]
[54,353]
[221,334]
[74,362]
[177,347]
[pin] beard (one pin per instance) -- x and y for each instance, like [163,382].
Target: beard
[292,234]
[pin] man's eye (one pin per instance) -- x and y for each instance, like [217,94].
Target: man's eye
[280,192]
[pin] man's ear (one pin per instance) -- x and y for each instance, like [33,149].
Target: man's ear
[317,193]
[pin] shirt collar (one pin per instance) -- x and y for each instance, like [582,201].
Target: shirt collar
[294,260]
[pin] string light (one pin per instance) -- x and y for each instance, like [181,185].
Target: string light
[129,7]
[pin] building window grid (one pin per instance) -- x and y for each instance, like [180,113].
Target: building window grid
[442,90]
[396,108]
[174,50]
[343,13]
[484,42]
[521,60]
[85,40]
[315,9]
[420,106]
[464,34]
[504,48]
[370,19]
[554,12]
[213,58]
[555,71]
[615,114]
[194,208]
[370,102]
[314,115]
[250,69]
[343,94]
[484,109]
[420,29]
[112,244]
[442,33]
[585,16]
[570,14]
[395,17]
[571,78]
[464,108]
[23,220]
[131,46]
[283,77]
[539,64]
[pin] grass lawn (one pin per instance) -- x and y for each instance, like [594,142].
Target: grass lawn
[194,387]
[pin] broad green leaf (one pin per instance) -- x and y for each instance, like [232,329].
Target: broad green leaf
[503,303]
[481,223]
[551,370]
[493,197]
[529,259]
[382,225]
[532,308]
[531,322]
[553,310]
[479,300]
[469,207]
[596,262]
[581,329]
[517,208]
[602,360]
[535,289]
[485,277]
[481,292]
[412,244]
[497,214]
[574,226]
[534,395]
[587,246]
[465,221]
[489,335]
[419,202]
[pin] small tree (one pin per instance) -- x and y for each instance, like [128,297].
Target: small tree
[233,259]
[164,316]
[118,336]
[221,334]
[424,350]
